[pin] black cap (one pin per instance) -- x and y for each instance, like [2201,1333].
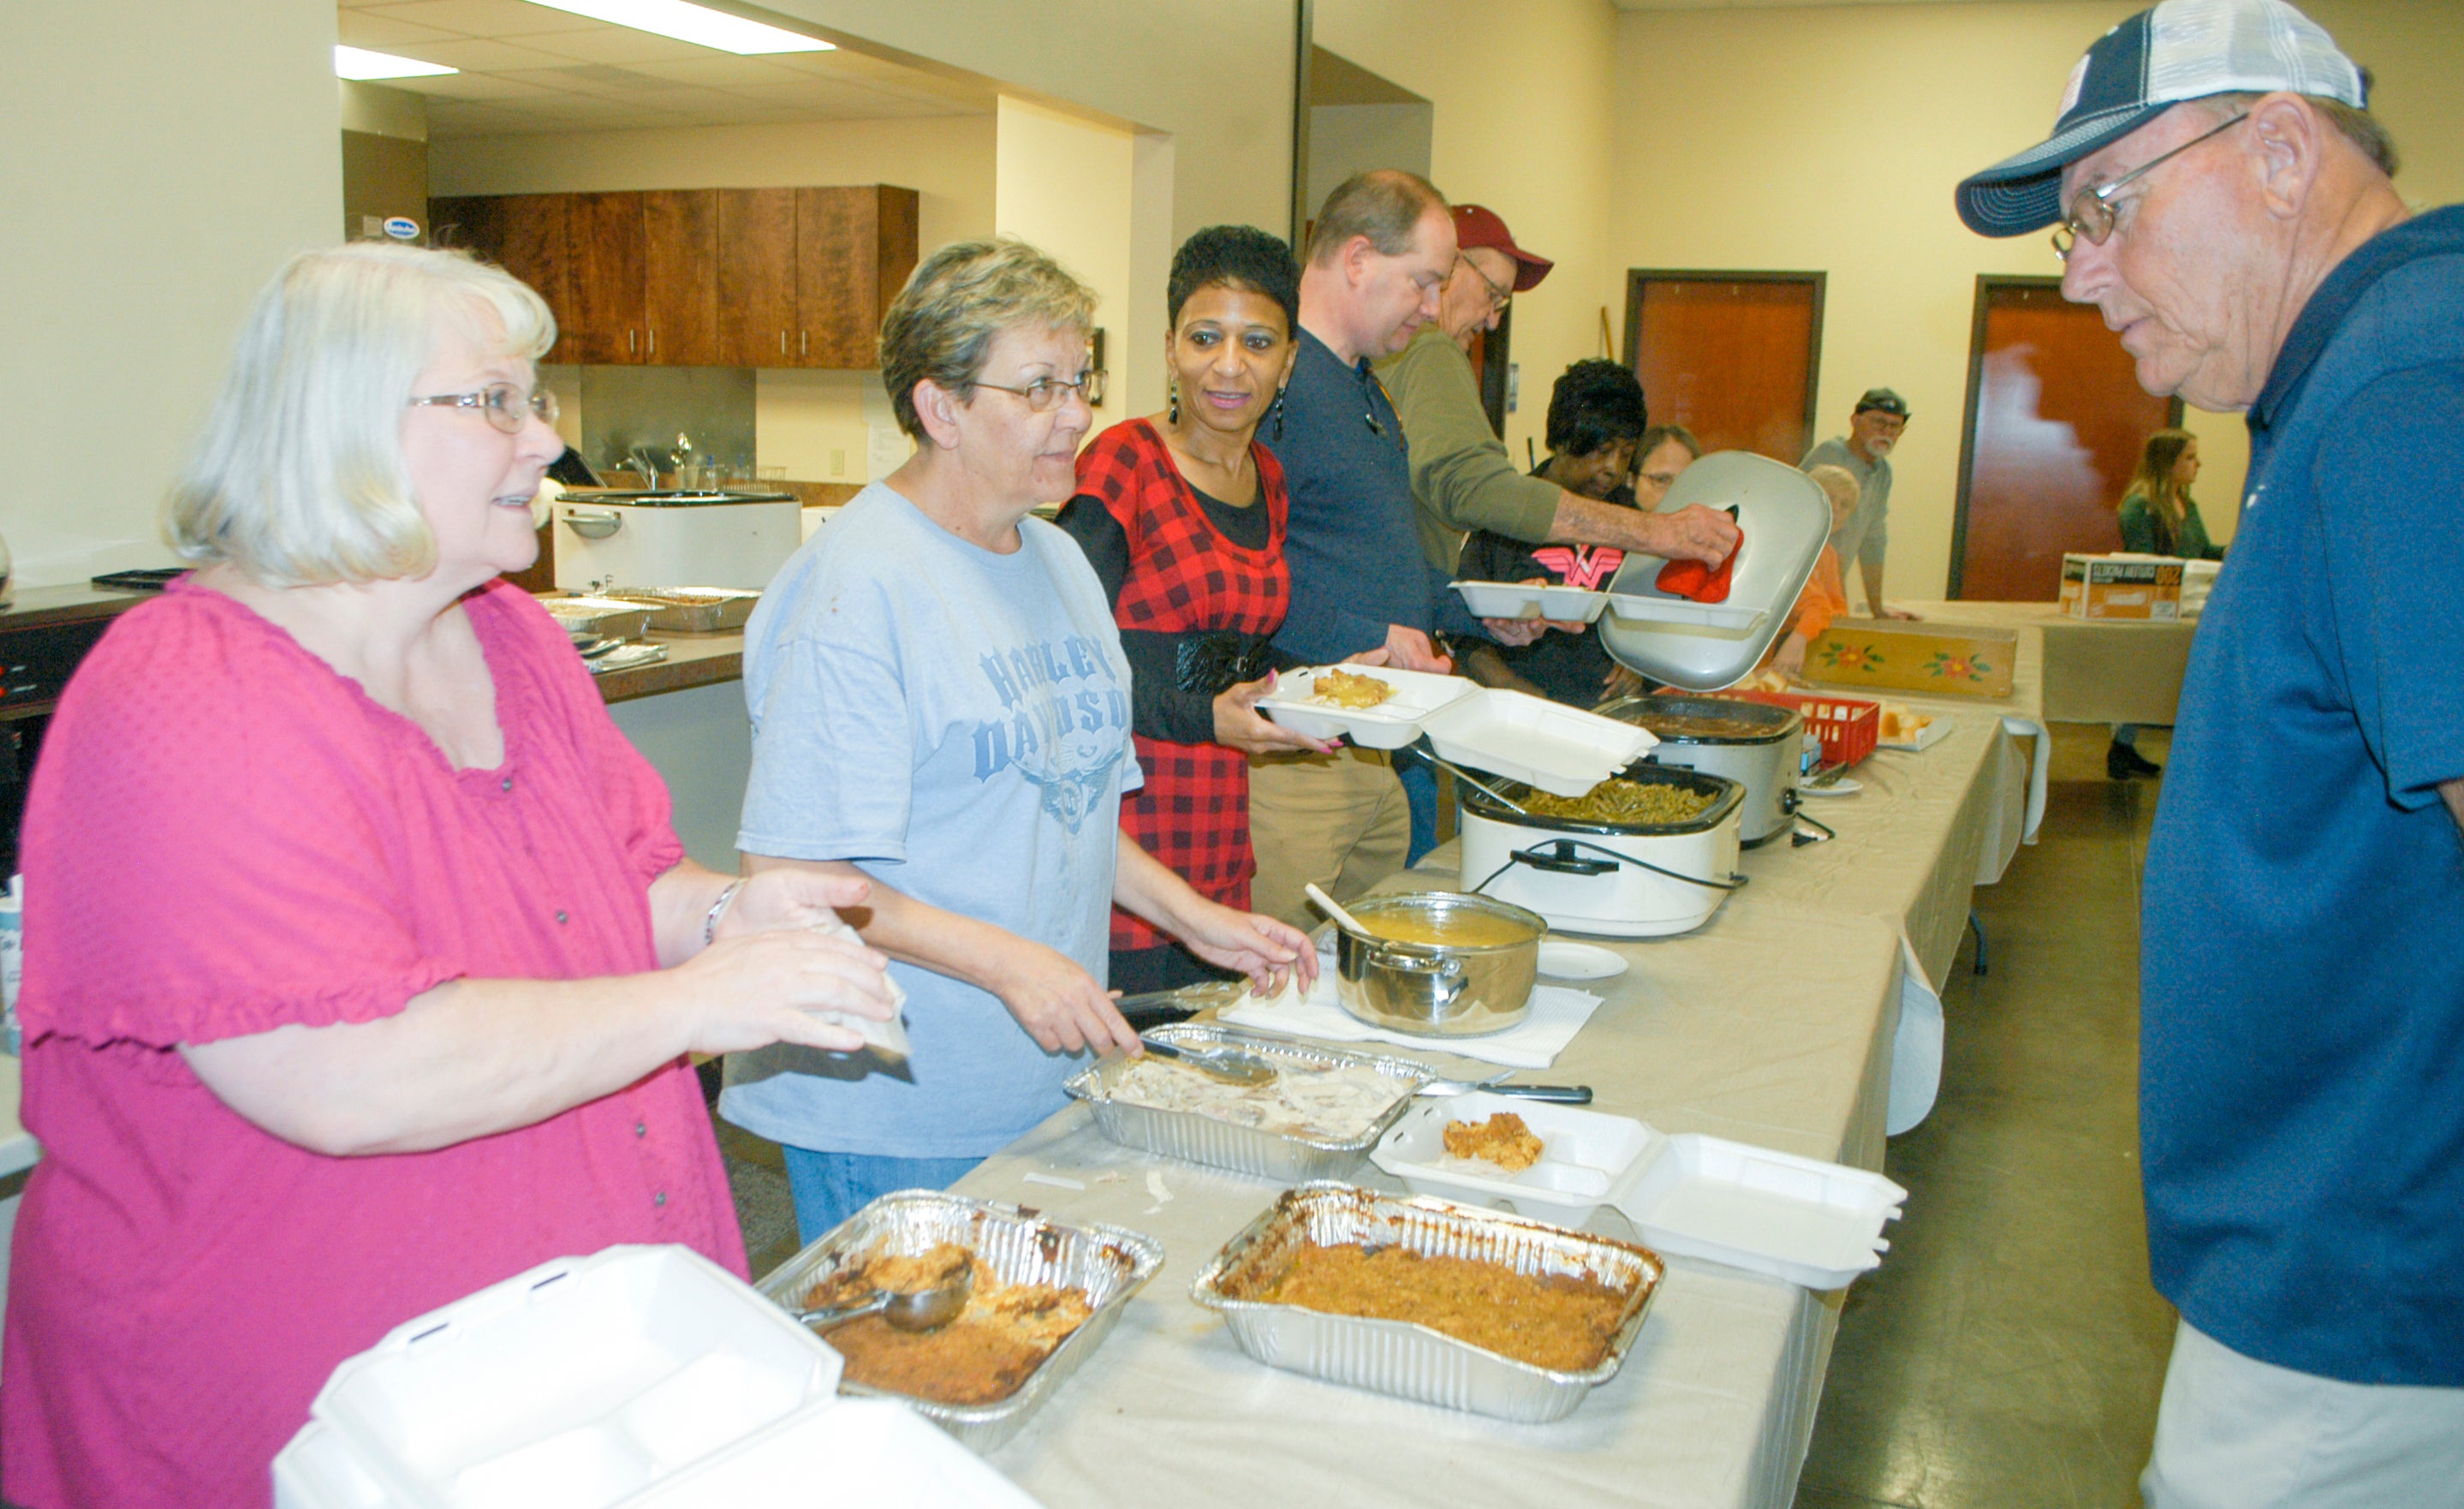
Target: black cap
[1884,399]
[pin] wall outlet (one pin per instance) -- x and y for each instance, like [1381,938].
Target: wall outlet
[838,463]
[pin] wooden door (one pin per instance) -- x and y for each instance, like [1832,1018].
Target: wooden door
[1732,356]
[854,250]
[681,277]
[523,233]
[2055,422]
[608,290]
[757,277]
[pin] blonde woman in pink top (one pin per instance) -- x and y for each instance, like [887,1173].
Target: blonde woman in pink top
[363,963]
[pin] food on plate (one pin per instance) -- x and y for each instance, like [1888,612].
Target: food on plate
[1769,678]
[982,1357]
[1635,804]
[1453,928]
[1325,1105]
[1564,1322]
[1348,689]
[1502,1140]
[1901,723]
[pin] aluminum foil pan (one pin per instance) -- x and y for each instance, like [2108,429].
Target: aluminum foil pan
[692,610]
[1244,1149]
[1413,1362]
[603,616]
[1018,1246]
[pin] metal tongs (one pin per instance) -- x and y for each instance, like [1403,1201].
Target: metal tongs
[1229,1064]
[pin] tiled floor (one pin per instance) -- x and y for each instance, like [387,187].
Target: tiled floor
[2008,1351]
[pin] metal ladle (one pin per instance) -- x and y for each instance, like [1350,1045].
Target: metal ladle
[926,1309]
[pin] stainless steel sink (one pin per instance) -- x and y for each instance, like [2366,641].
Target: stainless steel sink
[674,497]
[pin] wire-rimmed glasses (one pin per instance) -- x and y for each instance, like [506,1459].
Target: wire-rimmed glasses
[504,405]
[2091,214]
[1044,394]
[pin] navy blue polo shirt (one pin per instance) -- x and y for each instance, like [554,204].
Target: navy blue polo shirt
[1352,542]
[2301,1073]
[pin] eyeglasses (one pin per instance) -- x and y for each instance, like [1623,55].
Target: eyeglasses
[2092,213]
[1045,394]
[505,404]
[1498,296]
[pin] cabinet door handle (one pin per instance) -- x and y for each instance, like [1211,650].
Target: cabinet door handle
[631,341]
[654,342]
[782,342]
[803,342]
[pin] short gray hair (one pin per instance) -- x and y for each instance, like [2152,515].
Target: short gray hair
[2365,131]
[298,478]
[957,302]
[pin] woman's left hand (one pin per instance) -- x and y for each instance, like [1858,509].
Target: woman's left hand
[773,900]
[1240,725]
[1267,950]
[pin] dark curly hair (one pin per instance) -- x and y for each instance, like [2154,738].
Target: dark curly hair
[1237,256]
[1597,404]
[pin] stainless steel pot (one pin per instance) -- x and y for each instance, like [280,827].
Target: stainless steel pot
[1437,989]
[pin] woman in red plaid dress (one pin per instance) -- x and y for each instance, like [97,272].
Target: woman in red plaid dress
[1181,515]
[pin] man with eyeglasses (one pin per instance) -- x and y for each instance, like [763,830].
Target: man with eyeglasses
[1873,430]
[2224,197]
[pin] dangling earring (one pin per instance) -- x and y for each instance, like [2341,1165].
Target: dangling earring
[1279,413]
[1172,412]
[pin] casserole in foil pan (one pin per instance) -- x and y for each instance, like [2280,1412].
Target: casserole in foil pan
[1409,1360]
[1227,1144]
[692,610]
[1109,1263]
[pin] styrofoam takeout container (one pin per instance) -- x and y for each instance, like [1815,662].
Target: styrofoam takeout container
[1560,749]
[1556,602]
[588,1383]
[1391,725]
[1808,1222]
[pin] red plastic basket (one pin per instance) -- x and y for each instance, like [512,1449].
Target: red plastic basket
[1848,726]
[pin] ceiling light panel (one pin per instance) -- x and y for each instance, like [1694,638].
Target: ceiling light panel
[356,62]
[698,25]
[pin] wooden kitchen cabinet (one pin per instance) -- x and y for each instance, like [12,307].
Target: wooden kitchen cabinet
[523,233]
[608,302]
[702,278]
[854,248]
[757,277]
[680,277]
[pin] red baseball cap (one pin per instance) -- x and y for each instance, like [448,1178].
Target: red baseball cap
[1478,225]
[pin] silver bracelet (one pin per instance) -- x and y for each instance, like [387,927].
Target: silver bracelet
[718,910]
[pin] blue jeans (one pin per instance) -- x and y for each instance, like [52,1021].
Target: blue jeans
[1419,780]
[828,1187]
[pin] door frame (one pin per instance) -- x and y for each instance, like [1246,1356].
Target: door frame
[1987,283]
[1636,276]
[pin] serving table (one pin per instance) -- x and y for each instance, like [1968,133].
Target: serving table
[2094,670]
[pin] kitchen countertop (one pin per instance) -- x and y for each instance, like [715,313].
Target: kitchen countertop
[31,607]
[693,661]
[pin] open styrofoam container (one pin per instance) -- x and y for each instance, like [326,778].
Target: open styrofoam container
[1556,602]
[1391,725]
[1559,749]
[640,1377]
[1703,647]
[1808,1222]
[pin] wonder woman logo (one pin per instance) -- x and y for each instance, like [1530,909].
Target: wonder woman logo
[1587,566]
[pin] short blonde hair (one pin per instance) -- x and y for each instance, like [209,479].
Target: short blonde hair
[298,478]
[957,302]
[1838,483]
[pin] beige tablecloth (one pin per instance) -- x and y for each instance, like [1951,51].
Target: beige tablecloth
[2094,670]
[1767,1028]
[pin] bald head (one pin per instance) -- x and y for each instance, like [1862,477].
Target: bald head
[2214,252]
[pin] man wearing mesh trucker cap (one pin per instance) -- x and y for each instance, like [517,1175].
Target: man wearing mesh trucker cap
[2218,188]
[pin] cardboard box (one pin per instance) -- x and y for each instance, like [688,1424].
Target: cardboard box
[1945,661]
[2142,586]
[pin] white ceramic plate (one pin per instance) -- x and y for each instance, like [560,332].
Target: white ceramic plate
[1845,786]
[1564,961]
[1930,735]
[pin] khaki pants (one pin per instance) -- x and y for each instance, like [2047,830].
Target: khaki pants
[1337,819]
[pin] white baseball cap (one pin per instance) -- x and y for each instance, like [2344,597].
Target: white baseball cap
[2180,50]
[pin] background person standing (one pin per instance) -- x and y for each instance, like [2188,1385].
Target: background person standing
[1873,430]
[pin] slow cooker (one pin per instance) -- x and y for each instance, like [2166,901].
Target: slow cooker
[1754,743]
[1614,880]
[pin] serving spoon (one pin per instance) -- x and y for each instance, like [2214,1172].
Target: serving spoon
[926,1309]
[1229,1065]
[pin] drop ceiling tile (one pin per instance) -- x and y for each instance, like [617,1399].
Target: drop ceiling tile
[618,45]
[367,29]
[721,72]
[473,86]
[479,55]
[486,17]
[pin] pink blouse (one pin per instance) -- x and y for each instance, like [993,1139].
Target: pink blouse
[223,836]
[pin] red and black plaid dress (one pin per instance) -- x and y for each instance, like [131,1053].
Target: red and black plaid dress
[1184,576]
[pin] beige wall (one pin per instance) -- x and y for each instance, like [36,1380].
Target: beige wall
[947,160]
[1830,139]
[1064,185]
[159,162]
[1524,122]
